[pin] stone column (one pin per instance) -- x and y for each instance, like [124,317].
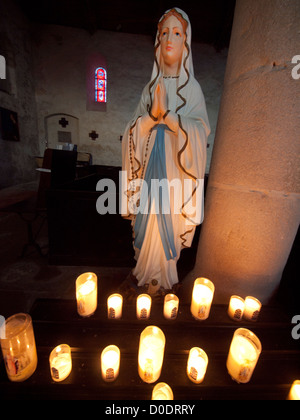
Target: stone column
[252,203]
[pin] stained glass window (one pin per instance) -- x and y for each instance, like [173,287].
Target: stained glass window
[100,85]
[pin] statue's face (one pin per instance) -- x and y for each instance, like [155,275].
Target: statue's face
[172,40]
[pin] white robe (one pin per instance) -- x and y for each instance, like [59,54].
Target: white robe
[185,153]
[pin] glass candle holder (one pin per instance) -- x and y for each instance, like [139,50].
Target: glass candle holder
[197,365]
[236,308]
[110,363]
[151,354]
[171,303]
[203,293]
[294,394]
[162,391]
[252,308]
[114,306]
[60,361]
[143,306]
[86,294]
[18,347]
[243,355]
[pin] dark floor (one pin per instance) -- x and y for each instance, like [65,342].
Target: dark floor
[23,280]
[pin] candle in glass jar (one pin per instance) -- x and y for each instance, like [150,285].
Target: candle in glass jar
[162,391]
[110,363]
[86,294]
[171,303]
[197,365]
[143,306]
[252,308]
[236,308]
[18,347]
[114,306]
[60,362]
[202,297]
[151,354]
[243,355]
[294,394]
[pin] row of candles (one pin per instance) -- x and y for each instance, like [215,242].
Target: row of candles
[202,297]
[242,359]
[152,340]
[19,350]
[243,355]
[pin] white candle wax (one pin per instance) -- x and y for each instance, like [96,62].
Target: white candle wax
[110,363]
[294,394]
[236,308]
[60,363]
[151,354]
[86,294]
[197,365]
[242,359]
[201,301]
[162,391]
[143,306]
[114,306]
[252,308]
[171,303]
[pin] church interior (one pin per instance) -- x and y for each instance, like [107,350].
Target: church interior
[57,142]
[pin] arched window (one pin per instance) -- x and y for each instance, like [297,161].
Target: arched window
[100,85]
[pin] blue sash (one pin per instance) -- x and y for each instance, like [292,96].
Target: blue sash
[156,170]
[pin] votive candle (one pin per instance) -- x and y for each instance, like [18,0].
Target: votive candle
[171,303]
[203,293]
[162,391]
[236,308]
[143,306]
[114,306]
[294,394]
[252,308]
[110,363]
[86,294]
[243,355]
[19,348]
[60,362]
[197,365]
[151,354]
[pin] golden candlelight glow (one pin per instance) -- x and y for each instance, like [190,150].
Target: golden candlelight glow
[162,391]
[143,306]
[294,394]
[171,303]
[151,354]
[18,347]
[60,362]
[243,355]
[236,308]
[86,294]
[114,306]
[110,363]
[252,308]
[197,365]
[203,293]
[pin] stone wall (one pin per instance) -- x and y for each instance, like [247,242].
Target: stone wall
[17,94]
[61,57]
[46,67]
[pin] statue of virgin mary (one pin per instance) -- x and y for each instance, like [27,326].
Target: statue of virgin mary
[164,157]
